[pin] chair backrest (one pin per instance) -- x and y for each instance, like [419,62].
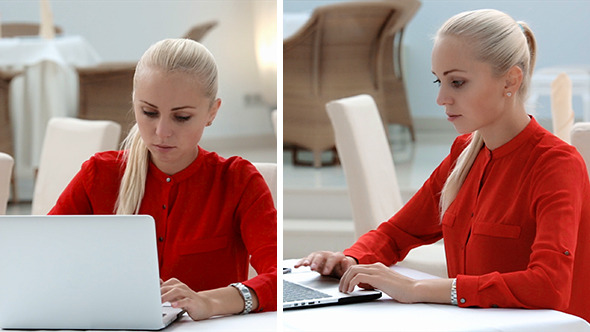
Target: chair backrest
[6,164]
[18,29]
[366,160]
[269,173]
[68,143]
[345,49]
[199,31]
[106,93]
[562,114]
[580,137]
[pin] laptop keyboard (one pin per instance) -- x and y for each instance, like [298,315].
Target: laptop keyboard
[295,292]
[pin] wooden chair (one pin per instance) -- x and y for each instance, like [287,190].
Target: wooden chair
[199,31]
[17,29]
[343,50]
[105,94]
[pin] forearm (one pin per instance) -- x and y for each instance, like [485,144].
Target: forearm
[227,300]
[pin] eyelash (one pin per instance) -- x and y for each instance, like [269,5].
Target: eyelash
[150,114]
[455,83]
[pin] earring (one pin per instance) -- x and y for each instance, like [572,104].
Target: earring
[509,94]
[209,123]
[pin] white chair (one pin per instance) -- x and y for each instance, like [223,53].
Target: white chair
[370,174]
[269,173]
[6,164]
[580,137]
[68,143]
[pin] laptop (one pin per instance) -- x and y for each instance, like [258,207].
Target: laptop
[81,272]
[303,288]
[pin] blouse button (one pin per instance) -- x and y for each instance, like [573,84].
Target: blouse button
[161,239]
[567,253]
[164,206]
[168,179]
[462,300]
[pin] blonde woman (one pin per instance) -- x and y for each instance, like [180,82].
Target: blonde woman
[512,201]
[212,214]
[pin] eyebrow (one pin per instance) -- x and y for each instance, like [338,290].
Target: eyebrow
[173,109]
[450,71]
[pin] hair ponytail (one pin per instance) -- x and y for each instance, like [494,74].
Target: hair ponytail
[132,186]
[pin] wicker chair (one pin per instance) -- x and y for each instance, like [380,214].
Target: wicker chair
[199,31]
[23,29]
[105,94]
[6,136]
[343,50]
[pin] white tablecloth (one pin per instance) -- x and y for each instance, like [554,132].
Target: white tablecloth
[47,88]
[386,314]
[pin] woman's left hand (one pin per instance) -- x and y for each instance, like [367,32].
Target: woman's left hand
[181,296]
[379,276]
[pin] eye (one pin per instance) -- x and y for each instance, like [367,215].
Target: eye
[437,81]
[182,118]
[149,113]
[457,83]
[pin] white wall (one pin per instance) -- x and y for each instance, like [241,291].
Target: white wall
[122,30]
[561,28]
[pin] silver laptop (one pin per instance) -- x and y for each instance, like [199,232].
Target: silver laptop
[302,289]
[80,272]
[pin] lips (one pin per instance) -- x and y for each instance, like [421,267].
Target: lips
[163,147]
[452,117]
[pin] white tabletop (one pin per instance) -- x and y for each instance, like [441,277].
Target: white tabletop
[386,314]
[63,50]
[261,321]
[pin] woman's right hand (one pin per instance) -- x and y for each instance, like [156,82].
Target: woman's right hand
[327,263]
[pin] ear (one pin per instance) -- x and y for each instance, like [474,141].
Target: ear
[213,109]
[514,78]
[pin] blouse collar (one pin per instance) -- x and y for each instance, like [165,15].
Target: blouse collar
[517,141]
[186,173]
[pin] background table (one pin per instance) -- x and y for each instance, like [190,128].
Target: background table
[386,314]
[47,88]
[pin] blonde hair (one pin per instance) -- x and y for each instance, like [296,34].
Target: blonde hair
[172,56]
[502,42]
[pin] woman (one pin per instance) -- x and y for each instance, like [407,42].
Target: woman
[211,213]
[511,201]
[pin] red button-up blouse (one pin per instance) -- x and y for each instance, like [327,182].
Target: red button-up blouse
[212,219]
[517,233]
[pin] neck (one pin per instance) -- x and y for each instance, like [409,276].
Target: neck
[505,128]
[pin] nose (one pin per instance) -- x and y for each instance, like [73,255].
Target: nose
[443,98]
[164,128]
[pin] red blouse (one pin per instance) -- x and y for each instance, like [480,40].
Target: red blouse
[516,234]
[212,219]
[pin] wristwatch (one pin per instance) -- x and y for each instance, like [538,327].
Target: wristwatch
[454,292]
[245,292]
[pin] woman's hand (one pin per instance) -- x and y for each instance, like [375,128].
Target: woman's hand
[205,304]
[181,296]
[379,276]
[327,263]
[397,286]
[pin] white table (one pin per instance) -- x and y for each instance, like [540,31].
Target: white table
[386,314]
[47,88]
[543,77]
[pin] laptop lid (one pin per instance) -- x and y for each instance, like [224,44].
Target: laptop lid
[80,272]
[328,286]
